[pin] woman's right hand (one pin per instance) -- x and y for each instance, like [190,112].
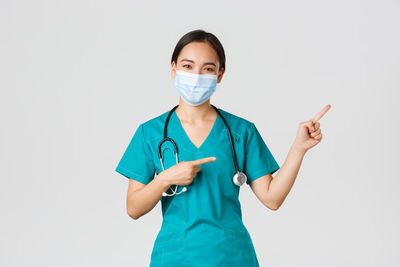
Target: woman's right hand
[184,172]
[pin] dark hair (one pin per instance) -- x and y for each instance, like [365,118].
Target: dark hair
[200,36]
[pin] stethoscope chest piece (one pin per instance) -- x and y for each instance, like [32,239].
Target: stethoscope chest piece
[239,178]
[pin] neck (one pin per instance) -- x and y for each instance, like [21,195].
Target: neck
[194,113]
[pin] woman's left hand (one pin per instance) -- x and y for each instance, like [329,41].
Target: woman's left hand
[309,132]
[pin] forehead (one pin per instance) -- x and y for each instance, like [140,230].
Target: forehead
[198,52]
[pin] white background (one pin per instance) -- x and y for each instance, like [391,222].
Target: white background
[78,77]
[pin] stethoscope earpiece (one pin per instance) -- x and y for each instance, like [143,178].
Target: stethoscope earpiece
[184,189]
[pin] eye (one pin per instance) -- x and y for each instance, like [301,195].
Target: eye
[186,65]
[209,69]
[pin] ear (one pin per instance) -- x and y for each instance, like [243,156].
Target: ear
[220,74]
[173,72]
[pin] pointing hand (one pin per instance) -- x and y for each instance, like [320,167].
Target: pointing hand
[184,172]
[309,132]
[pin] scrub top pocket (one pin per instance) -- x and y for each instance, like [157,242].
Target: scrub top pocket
[168,250]
[240,248]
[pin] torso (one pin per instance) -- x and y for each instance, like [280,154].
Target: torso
[204,224]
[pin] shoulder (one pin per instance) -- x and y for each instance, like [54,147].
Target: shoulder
[154,127]
[235,118]
[237,124]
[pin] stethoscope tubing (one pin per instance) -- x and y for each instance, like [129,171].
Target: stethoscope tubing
[160,156]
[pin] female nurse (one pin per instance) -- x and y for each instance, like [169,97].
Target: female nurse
[202,220]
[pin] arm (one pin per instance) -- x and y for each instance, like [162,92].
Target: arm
[273,191]
[141,198]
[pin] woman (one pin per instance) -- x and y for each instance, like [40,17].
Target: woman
[202,219]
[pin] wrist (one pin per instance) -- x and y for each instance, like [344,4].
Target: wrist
[298,148]
[162,181]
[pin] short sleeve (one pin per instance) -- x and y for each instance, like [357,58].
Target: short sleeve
[137,162]
[258,160]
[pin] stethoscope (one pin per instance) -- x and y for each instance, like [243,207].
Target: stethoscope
[239,178]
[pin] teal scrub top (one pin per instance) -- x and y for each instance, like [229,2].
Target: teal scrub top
[202,226]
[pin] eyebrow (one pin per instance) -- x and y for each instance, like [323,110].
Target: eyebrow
[207,63]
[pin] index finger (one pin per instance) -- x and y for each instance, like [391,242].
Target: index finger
[203,160]
[321,113]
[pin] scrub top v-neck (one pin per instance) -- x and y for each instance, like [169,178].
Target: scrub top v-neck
[202,226]
[187,143]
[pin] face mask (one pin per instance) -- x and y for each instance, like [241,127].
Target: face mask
[195,89]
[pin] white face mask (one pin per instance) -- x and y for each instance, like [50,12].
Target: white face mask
[195,89]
